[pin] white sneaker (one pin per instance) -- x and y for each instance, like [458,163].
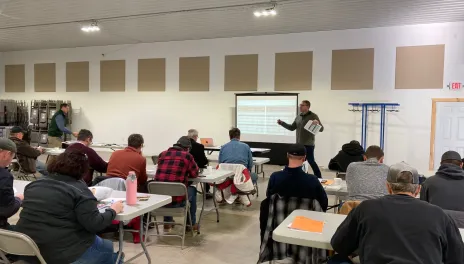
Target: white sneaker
[218,196]
[244,200]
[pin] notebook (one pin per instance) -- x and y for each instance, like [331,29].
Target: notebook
[307,224]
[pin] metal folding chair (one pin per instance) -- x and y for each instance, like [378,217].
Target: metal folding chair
[171,189]
[21,173]
[17,244]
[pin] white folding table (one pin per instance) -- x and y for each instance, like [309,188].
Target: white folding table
[253,150]
[130,212]
[283,234]
[286,235]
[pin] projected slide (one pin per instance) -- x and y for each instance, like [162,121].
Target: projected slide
[257,118]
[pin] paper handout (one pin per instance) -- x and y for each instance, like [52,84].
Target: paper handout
[312,128]
[307,224]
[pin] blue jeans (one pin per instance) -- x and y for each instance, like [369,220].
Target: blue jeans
[254,177]
[312,161]
[101,252]
[192,197]
[41,168]
[338,259]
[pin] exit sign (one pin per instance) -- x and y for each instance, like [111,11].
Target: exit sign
[455,86]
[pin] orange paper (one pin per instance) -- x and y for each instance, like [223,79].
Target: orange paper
[329,182]
[307,224]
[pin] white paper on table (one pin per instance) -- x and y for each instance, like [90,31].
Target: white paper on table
[113,200]
[312,128]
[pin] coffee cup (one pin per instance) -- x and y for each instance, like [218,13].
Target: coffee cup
[338,181]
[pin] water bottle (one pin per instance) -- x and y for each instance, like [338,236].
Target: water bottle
[131,189]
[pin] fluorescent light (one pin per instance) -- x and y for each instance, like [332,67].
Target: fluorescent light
[273,12]
[257,14]
[265,13]
[93,27]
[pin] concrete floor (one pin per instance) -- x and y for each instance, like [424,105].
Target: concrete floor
[234,240]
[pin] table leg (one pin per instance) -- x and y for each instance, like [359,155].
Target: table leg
[142,240]
[215,204]
[202,206]
[121,240]
[262,169]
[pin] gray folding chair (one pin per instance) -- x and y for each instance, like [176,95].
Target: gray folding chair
[17,244]
[23,174]
[171,189]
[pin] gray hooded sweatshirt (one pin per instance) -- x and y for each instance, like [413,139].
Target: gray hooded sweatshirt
[446,188]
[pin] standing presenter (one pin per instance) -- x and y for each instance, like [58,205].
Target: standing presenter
[303,136]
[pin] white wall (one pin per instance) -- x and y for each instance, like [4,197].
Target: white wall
[164,116]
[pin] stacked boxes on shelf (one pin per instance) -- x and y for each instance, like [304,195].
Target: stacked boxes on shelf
[12,113]
[42,112]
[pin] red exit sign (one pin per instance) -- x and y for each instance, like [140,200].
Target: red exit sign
[455,86]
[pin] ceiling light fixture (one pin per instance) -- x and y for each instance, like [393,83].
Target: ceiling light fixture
[93,27]
[266,12]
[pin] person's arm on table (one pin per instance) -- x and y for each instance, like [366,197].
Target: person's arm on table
[250,160]
[291,127]
[142,179]
[454,248]
[96,162]
[193,167]
[345,240]
[333,164]
[321,195]
[9,203]
[90,218]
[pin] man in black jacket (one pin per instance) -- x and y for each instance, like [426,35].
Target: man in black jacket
[9,203]
[398,228]
[27,155]
[198,152]
[446,188]
[351,152]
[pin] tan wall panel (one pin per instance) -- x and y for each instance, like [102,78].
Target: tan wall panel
[293,71]
[420,67]
[113,76]
[45,77]
[241,73]
[15,78]
[353,69]
[77,76]
[194,74]
[152,75]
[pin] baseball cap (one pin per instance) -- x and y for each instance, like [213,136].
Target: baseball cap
[297,150]
[451,155]
[17,129]
[184,142]
[395,171]
[8,145]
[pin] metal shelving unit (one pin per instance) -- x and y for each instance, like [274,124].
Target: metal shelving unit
[12,113]
[42,112]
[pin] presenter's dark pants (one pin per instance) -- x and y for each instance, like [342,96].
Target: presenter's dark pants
[312,161]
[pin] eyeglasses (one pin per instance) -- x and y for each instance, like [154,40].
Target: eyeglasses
[303,105]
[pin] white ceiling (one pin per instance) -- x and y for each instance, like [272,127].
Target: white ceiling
[44,24]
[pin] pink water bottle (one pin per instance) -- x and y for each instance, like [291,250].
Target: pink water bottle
[131,189]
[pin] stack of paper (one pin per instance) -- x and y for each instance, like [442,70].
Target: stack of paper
[307,224]
[312,128]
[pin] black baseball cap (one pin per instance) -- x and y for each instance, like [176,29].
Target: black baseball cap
[297,150]
[17,129]
[451,155]
[184,142]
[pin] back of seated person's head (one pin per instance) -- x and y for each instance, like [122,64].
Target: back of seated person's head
[296,155]
[135,141]
[85,136]
[451,157]
[234,133]
[71,163]
[374,152]
[403,179]
[355,142]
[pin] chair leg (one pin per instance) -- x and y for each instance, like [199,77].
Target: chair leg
[156,225]
[190,219]
[3,258]
[185,224]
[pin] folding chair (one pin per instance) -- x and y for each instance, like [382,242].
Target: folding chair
[154,159]
[171,189]
[23,174]
[17,244]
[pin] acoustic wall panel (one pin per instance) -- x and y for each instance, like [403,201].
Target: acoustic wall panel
[194,74]
[241,73]
[353,69]
[113,76]
[45,77]
[77,76]
[15,79]
[152,75]
[293,71]
[420,67]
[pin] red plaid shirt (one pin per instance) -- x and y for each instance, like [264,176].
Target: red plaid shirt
[176,165]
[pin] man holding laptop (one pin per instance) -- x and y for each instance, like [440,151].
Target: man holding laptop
[303,136]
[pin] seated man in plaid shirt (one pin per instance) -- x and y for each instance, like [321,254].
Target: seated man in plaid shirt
[177,165]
